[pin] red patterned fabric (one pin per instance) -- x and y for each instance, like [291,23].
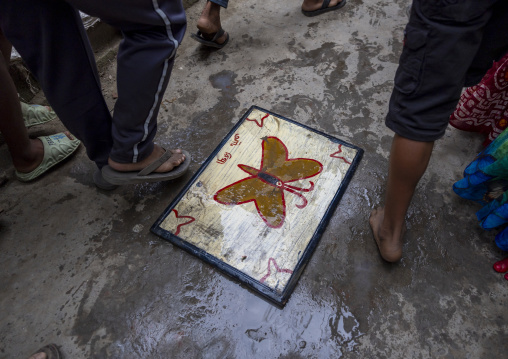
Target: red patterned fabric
[484,107]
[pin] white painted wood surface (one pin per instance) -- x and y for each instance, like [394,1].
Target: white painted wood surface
[236,234]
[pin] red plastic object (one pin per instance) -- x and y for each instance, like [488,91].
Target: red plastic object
[501,266]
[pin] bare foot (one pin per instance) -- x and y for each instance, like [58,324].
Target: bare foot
[38,356]
[209,22]
[312,5]
[390,247]
[33,155]
[175,160]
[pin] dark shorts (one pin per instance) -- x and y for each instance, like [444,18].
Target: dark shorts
[448,44]
[222,3]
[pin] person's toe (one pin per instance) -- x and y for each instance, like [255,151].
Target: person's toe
[69,135]
[38,356]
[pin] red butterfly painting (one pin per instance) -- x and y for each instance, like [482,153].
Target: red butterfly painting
[266,186]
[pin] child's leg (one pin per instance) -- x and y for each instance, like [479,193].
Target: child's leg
[408,162]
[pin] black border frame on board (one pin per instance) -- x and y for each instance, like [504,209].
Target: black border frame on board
[277,298]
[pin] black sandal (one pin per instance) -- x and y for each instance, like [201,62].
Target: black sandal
[213,42]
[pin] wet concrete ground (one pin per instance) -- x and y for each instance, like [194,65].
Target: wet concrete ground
[81,269]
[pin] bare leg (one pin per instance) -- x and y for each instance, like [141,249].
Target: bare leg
[311,5]
[26,154]
[408,162]
[209,22]
[32,114]
[5,48]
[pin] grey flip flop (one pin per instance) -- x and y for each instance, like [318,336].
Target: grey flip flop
[101,183]
[147,174]
[211,43]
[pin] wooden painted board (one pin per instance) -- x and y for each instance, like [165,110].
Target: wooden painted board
[259,204]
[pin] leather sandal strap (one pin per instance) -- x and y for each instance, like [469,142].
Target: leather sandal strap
[325,4]
[155,164]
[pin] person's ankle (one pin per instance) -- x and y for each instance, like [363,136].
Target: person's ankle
[213,6]
[31,158]
[389,237]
